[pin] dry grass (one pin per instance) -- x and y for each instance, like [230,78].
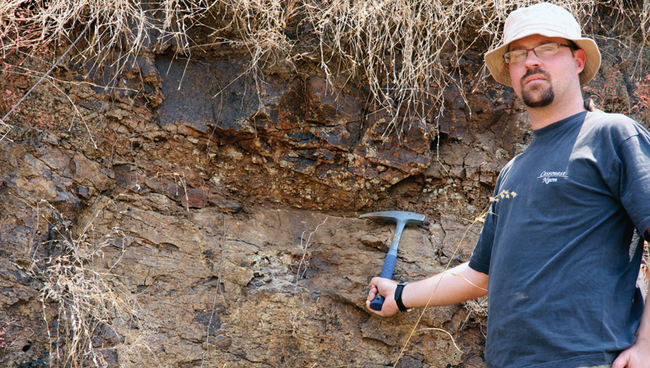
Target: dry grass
[408,52]
[114,31]
[122,25]
[89,302]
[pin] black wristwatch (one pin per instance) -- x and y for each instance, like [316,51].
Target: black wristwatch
[398,296]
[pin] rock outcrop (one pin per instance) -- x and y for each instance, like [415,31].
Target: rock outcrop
[194,215]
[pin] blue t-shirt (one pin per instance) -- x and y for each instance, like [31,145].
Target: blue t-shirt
[559,249]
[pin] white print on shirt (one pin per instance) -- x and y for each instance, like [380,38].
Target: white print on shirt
[552,176]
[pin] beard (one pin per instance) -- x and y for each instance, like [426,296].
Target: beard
[536,96]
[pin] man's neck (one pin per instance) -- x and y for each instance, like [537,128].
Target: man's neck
[541,117]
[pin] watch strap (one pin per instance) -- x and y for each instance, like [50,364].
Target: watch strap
[398,296]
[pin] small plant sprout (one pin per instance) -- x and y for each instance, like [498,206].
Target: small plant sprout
[304,245]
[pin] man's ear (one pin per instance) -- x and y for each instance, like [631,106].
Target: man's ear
[580,58]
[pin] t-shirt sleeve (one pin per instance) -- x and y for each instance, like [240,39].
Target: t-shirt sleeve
[482,254]
[480,259]
[634,155]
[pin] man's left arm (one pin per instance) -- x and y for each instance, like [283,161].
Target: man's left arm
[638,355]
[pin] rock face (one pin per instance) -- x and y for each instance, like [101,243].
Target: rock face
[195,216]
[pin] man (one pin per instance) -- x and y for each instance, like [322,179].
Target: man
[562,255]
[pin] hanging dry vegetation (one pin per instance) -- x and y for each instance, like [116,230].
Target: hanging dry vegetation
[407,51]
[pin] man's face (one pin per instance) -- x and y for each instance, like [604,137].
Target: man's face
[539,80]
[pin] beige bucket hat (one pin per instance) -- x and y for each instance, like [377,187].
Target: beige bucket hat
[547,20]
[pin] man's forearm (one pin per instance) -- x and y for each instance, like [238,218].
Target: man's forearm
[453,286]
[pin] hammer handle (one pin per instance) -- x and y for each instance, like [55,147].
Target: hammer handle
[389,264]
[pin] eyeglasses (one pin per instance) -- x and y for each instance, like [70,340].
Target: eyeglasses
[541,51]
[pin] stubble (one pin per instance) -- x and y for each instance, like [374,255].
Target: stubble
[536,96]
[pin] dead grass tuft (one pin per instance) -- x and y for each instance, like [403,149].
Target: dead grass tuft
[117,30]
[407,52]
[89,302]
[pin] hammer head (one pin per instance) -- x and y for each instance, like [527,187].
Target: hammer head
[408,218]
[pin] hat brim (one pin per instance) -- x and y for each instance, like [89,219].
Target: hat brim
[499,69]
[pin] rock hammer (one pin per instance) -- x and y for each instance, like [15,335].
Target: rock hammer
[401,219]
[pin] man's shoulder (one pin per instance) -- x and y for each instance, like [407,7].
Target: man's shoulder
[601,118]
[614,125]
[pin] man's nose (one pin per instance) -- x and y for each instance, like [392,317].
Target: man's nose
[531,59]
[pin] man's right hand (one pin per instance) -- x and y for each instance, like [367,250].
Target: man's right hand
[450,287]
[386,288]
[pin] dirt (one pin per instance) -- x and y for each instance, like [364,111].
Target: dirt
[192,216]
